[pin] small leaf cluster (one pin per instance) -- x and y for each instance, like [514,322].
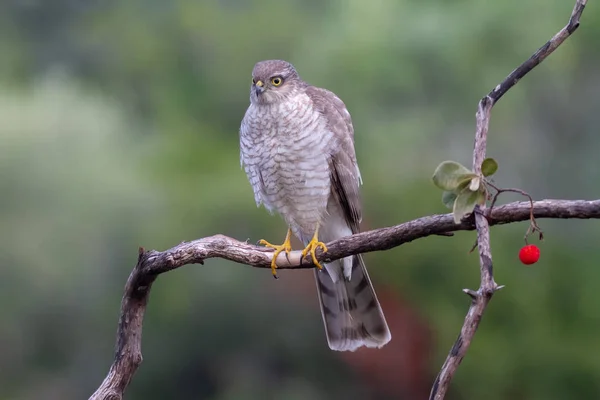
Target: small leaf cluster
[463,188]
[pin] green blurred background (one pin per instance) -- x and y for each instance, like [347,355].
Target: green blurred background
[119,128]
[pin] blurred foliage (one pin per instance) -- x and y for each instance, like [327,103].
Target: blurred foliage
[119,129]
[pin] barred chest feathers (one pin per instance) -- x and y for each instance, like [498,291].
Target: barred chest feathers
[290,143]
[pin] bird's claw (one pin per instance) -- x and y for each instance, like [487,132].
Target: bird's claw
[286,247]
[312,247]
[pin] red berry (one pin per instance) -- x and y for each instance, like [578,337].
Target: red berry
[529,254]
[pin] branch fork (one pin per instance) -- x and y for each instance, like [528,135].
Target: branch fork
[488,286]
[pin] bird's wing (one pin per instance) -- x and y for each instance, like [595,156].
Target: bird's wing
[351,312]
[345,175]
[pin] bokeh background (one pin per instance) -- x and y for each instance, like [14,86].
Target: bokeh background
[119,128]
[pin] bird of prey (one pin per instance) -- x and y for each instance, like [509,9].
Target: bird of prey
[297,148]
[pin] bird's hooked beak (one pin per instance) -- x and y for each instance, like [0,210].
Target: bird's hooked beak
[260,87]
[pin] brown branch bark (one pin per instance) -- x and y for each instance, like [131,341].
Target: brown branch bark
[128,353]
[487,287]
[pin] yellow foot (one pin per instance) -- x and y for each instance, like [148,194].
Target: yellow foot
[286,246]
[312,247]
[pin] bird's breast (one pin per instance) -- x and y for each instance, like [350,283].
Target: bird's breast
[294,164]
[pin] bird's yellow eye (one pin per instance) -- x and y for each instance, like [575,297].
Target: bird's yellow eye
[254,81]
[276,81]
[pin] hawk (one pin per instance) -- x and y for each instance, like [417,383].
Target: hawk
[297,148]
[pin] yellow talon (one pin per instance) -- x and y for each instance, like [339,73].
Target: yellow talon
[286,246]
[312,247]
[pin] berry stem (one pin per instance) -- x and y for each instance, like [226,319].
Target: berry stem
[533,225]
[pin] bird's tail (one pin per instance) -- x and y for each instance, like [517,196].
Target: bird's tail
[350,309]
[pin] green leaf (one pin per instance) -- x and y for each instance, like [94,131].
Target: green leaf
[448,199]
[449,175]
[465,203]
[489,166]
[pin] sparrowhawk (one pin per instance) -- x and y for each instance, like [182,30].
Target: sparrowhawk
[297,148]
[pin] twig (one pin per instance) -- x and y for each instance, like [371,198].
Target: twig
[481,298]
[150,264]
[499,191]
[533,225]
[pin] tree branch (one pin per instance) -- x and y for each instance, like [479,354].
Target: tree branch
[487,287]
[150,264]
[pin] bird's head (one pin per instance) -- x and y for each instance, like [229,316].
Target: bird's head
[273,81]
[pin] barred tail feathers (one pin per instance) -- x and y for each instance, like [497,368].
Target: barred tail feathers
[351,312]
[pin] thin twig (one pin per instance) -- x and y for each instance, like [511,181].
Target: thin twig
[150,264]
[533,225]
[481,298]
[499,191]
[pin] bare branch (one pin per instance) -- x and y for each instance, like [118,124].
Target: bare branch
[488,286]
[150,264]
[128,355]
[128,352]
